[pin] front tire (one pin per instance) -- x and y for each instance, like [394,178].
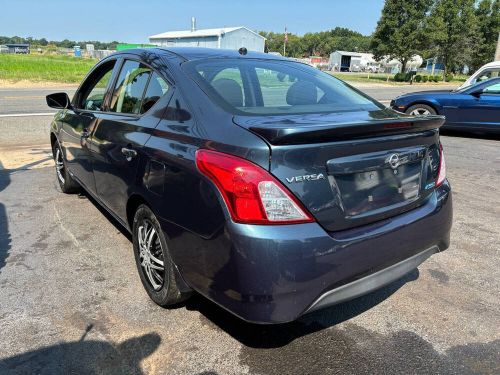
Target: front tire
[152,258]
[421,110]
[67,183]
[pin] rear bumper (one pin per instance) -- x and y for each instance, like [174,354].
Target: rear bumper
[275,274]
[371,282]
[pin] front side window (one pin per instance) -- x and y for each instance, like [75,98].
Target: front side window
[129,88]
[270,87]
[94,89]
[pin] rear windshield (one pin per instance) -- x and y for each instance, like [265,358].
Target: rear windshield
[274,87]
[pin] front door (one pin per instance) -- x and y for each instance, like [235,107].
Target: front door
[481,111]
[79,122]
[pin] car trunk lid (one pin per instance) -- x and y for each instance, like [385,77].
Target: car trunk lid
[355,168]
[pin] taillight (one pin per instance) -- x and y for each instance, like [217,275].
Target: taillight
[252,195]
[442,167]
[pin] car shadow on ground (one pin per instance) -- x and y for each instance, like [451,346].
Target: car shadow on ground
[5,180]
[275,336]
[84,357]
[85,195]
[5,238]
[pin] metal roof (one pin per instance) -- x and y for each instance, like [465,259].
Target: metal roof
[199,33]
[357,54]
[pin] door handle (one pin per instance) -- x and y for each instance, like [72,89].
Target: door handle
[129,153]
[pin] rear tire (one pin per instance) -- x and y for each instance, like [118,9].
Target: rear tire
[421,110]
[153,260]
[67,183]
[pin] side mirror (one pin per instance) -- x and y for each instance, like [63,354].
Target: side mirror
[477,93]
[58,100]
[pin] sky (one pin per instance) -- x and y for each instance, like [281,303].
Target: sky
[133,21]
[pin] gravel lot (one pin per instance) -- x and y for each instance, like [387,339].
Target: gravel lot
[71,298]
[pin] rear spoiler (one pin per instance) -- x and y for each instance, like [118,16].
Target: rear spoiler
[282,134]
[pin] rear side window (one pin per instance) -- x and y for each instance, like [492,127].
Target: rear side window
[137,89]
[157,87]
[274,87]
[129,88]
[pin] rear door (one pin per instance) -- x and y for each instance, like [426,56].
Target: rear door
[124,128]
[79,122]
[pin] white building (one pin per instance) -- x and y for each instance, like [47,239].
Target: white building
[345,61]
[224,37]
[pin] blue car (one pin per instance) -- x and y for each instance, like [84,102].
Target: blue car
[474,108]
[265,185]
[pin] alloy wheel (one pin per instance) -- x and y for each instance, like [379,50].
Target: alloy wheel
[59,165]
[151,254]
[420,112]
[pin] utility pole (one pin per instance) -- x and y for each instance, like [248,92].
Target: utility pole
[286,40]
[497,54]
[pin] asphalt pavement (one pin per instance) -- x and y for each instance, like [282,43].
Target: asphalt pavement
[71,300]
[28,100]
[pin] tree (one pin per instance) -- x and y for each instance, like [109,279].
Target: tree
[317,44]
[400,32]
[488,24]
[453,30]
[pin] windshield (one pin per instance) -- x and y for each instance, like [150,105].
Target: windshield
[273,87]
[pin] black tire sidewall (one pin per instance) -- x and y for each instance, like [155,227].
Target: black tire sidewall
[62,185]
[69,185]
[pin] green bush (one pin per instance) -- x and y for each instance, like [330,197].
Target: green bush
[448,77]
[438,78]
[418,78]
[425,78]
[407,76]
[399,77]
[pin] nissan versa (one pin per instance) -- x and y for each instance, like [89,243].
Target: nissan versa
[267,186]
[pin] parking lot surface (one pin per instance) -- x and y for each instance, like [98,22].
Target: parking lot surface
[71,299]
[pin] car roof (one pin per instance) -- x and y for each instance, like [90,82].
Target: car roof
[196,53]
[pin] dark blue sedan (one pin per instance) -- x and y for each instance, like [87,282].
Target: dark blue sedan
[264,184]
[475,108]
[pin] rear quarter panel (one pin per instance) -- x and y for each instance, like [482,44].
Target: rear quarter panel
[190,209]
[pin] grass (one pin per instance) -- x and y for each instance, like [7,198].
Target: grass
[382,77]
[57,68]
[364,77]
